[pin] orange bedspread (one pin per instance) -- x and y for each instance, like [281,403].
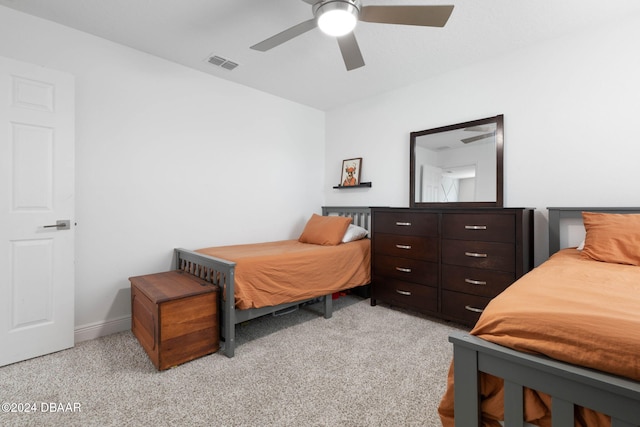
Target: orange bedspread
[579,311]
[274,273]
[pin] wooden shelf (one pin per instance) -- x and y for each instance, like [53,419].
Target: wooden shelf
[361,185]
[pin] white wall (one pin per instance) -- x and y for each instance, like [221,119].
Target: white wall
[166,157]
[570,108]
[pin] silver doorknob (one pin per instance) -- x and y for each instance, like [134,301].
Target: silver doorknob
[61,224]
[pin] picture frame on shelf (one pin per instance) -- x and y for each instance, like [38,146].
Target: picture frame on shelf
[351,172]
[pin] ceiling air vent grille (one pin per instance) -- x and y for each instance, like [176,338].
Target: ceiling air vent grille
[222,62]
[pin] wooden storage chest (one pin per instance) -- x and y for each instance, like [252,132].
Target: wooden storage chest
[174,316]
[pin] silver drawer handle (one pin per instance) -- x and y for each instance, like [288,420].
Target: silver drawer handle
[475,282]
[475,227]
[475,255]
[474,309]
[403,246]
[407,293]
[405,224]
[404,270]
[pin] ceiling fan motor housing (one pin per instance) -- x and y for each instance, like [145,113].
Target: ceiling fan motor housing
[340,10]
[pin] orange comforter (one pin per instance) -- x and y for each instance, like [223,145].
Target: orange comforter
[274,273]
[579,311]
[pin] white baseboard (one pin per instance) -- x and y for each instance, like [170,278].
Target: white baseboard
[100,329]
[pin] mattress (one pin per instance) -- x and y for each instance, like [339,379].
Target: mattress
[571,309]
[273,273]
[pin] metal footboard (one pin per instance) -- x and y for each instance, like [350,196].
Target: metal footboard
[221,273]
[567,384]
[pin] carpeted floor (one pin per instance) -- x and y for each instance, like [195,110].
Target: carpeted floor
[366,366]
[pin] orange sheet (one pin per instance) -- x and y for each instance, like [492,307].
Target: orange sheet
[274,273]
[578,311]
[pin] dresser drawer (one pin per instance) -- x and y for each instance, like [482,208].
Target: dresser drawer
[482,227]
[416,247]
[491,255]
[476,281]
[405,294]
[407,269]
[463,307]
[406,223]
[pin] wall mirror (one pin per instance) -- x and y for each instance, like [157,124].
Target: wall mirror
[458,165]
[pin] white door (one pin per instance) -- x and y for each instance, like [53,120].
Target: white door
[36,192]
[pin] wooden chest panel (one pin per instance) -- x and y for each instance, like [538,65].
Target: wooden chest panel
[143,322]
[174,317]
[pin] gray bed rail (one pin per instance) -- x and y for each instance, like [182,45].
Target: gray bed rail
[568,385]
[221,272]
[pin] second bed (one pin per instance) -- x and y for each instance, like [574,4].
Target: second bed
[268,277]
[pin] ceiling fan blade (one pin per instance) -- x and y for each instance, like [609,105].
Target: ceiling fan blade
[350,51]
[478,129]
[428,16]
[311,2]
[285,36]
[478,138]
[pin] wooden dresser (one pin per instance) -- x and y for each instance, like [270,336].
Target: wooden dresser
[448,262]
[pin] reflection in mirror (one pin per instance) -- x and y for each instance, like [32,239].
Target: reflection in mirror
[459,164]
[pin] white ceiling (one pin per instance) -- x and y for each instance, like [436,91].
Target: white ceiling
[309,69]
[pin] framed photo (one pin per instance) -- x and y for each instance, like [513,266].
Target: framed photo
[351,171]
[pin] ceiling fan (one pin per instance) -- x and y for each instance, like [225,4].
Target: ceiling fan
[339,17]
[488,133]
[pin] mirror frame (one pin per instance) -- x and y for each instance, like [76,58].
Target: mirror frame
[499,145]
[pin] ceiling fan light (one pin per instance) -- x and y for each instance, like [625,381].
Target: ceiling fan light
[337,18]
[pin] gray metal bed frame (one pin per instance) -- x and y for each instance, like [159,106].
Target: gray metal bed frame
[222,272]
[568,384]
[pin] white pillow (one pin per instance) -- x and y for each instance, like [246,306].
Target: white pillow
[354,233]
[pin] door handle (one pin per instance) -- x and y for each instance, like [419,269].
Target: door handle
[61,224]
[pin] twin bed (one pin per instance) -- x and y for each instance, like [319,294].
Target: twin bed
[269,277]
[561,346]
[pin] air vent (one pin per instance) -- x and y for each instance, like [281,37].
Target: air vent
[229,65]
[222,62]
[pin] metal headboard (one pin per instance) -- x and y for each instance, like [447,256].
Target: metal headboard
[361,215]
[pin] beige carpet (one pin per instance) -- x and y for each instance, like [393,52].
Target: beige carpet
[366,366]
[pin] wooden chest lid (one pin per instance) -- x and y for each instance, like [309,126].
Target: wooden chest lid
[160,287]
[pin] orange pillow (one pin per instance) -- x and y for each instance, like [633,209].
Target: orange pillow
[324,230]
[612,237]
